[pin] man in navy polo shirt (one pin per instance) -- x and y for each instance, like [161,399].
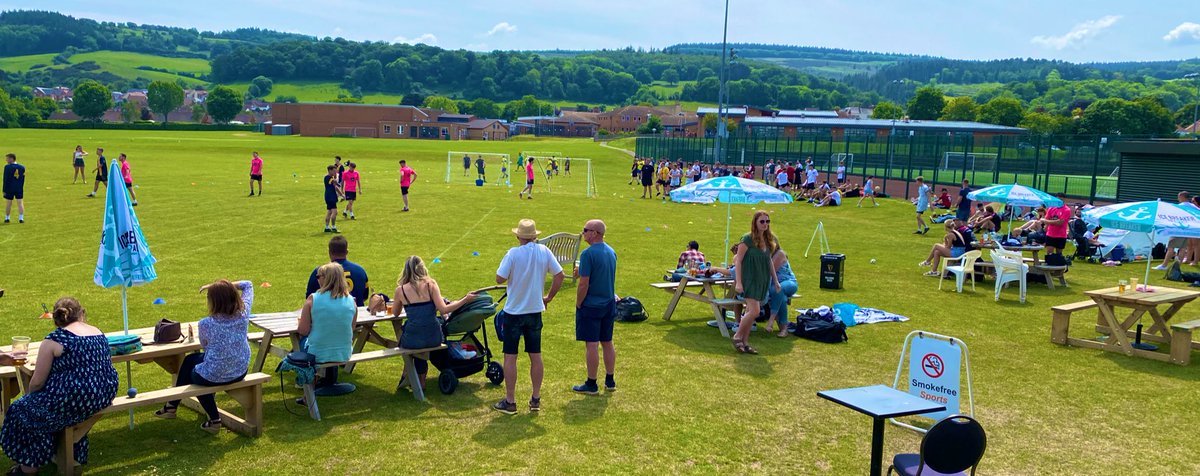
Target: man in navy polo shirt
[596,307]
[14,187]
[356,276]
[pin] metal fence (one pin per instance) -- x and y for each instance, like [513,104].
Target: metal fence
[1082,167]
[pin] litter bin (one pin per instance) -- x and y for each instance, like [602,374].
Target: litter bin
[831,270]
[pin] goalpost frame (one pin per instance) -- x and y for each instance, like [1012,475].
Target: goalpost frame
[590,189]
[453,155]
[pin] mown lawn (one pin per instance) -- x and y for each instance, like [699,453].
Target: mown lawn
[687,403]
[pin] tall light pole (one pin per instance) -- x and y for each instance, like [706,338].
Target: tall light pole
[721,89]
[1196,109]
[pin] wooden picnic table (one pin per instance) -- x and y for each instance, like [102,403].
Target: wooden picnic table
[1140,303]
[1036,266]
[707,295]
[1034,250]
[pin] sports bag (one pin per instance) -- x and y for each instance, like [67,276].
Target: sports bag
[821,330]
[124,344]
[629,309]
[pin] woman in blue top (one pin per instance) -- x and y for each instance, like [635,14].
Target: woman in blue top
[421,297]
[327,320]
[226,351]
[72,380]
[778,299]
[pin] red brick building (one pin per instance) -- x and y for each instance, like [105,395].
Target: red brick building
[395,122]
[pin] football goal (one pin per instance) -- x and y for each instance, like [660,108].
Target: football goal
[577,180]
[467,168]
[843,159]
[352,132]
[968,161]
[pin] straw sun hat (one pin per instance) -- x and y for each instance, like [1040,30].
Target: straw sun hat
[526,229]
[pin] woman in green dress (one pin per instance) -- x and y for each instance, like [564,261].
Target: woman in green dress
[755,276]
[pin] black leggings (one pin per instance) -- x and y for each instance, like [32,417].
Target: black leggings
[188,376]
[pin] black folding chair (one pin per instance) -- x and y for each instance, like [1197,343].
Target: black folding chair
[950,447]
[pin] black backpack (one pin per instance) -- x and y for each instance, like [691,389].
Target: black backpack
[821,330]
[629,309]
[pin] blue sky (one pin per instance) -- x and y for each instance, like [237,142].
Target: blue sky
[1080,31]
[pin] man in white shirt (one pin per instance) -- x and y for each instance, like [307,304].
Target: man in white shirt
[524,268]
[841,172]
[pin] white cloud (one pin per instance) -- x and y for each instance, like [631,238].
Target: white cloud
[1079,34]
[477,47]
[502,27]
[426,38]
[1186,33]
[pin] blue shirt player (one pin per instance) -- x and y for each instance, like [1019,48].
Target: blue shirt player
[596,307]
[333,191]
[924,193]
[868,191]
[14,187]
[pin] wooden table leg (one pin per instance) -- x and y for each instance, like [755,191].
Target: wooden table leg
[412,377]
[675,299]
[264,348]
[1122,342]
[360,340]
[720,315]
[1160,326]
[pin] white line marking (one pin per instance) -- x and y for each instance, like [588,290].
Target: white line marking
[468,232]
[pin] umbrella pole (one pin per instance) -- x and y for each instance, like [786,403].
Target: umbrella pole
[728,217]
[128,367]
[1149,259]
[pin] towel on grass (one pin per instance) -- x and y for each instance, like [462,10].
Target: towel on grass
[864,315]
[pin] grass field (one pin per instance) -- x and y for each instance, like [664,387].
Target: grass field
[687,403]
[120,63]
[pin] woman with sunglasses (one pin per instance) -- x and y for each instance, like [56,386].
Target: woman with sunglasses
[755,275]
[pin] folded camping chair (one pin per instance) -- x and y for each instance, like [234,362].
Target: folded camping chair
[965,267]
[1009,269]
[950,447]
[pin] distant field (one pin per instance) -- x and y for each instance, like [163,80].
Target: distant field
[829,68]
[120,63]
[952,89]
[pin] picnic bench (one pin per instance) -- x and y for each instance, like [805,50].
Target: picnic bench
[707,295]
[310,397]
[1120,330]
[247,392]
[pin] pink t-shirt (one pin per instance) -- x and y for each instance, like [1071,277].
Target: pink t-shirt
[350,180]
[125,172]
[406,176]
[256,166]
[1059,230]
[529,170]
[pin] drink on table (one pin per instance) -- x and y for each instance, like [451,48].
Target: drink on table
[1133,283]
[20,348]
[1121,286]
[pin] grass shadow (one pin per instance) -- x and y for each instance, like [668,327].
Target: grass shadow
[585,409]
[505,430]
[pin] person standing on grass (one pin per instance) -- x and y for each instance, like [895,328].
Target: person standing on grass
[351,184]
[924,194]
[333,191]
[528,180]
[781,179]
[841,172]
[755,277]
[101,172]
[1177,247]
[14,187]
[77,161]
[596,307]
[127,175]
[963,211]
[868,191]
[226,351]
[676,179]
[635,170]
[647,177]
[407,175]
[341,169]
[567,166]
[466,164]
[1057,222]
[256,173]
[480,168]
[524,268]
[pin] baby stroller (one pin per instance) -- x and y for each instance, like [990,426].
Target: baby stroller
[464,353]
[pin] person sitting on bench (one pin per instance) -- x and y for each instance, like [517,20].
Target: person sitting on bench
[327,321]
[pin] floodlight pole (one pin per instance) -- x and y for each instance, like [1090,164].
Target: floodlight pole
[717,143]
[1196,108]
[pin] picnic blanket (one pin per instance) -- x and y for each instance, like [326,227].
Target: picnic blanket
[864,315]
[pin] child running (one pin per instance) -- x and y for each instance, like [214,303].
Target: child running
[351,184]
[868,191]
[528,180]
[79,166]
[333,191]
[256,173]
[127,175]
[101,173]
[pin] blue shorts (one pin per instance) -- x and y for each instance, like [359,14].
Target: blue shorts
[957,251]
[962,213]
[331,203]
[595,324]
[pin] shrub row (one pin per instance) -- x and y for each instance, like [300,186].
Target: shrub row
[139,126]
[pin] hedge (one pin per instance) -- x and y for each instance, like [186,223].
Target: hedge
[139,126]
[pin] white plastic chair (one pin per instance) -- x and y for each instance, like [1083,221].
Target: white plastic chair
[1009,269]
[965,267]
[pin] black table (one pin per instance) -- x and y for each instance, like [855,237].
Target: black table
[880,402]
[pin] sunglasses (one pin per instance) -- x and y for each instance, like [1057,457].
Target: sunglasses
[585,230]
[764,221]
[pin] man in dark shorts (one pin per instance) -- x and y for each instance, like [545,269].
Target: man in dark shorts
[647,177]
[479,167]
[101,172]
[524,268]
[635,170]
[333,191]
[14,187]
[1057,221]
[341,169]
[256,164]
[407,175]
[963,213]
[596,307]
[466,164]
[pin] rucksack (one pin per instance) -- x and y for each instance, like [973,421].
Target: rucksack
[821,330]
[629,309]
[1159,251]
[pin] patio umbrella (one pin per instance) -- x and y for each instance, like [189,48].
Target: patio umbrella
[124,259]
[1015,195]
[1150,217]
[729,190]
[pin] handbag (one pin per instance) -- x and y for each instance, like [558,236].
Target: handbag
[167,331]
[124,344]
[301,359]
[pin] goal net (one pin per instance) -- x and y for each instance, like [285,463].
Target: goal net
[556,174]
[466,168]
[846,160]
[352,132]
[968,161]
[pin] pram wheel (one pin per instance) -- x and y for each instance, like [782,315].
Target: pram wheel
[447,382]
[495,373]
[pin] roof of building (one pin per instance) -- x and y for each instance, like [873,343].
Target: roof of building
[457,116]
[1190,129]
[635,111]
[943,126]
[558,120]
[802,113]
[729,111]
[481,123]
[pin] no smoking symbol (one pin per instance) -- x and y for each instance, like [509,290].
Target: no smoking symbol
[932,365]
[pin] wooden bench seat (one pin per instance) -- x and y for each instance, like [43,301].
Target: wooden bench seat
[1181,341]
[247,392]
[1061,321]
[310,397]
[1051,273]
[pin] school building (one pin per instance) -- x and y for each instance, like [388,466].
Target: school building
[394,122]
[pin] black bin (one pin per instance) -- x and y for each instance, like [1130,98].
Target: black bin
[831,270]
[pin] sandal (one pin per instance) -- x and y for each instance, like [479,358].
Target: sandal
[748,349]
[739,346]
[782,334]
[212,426]
[166,412]
[924,264]
[933,274]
